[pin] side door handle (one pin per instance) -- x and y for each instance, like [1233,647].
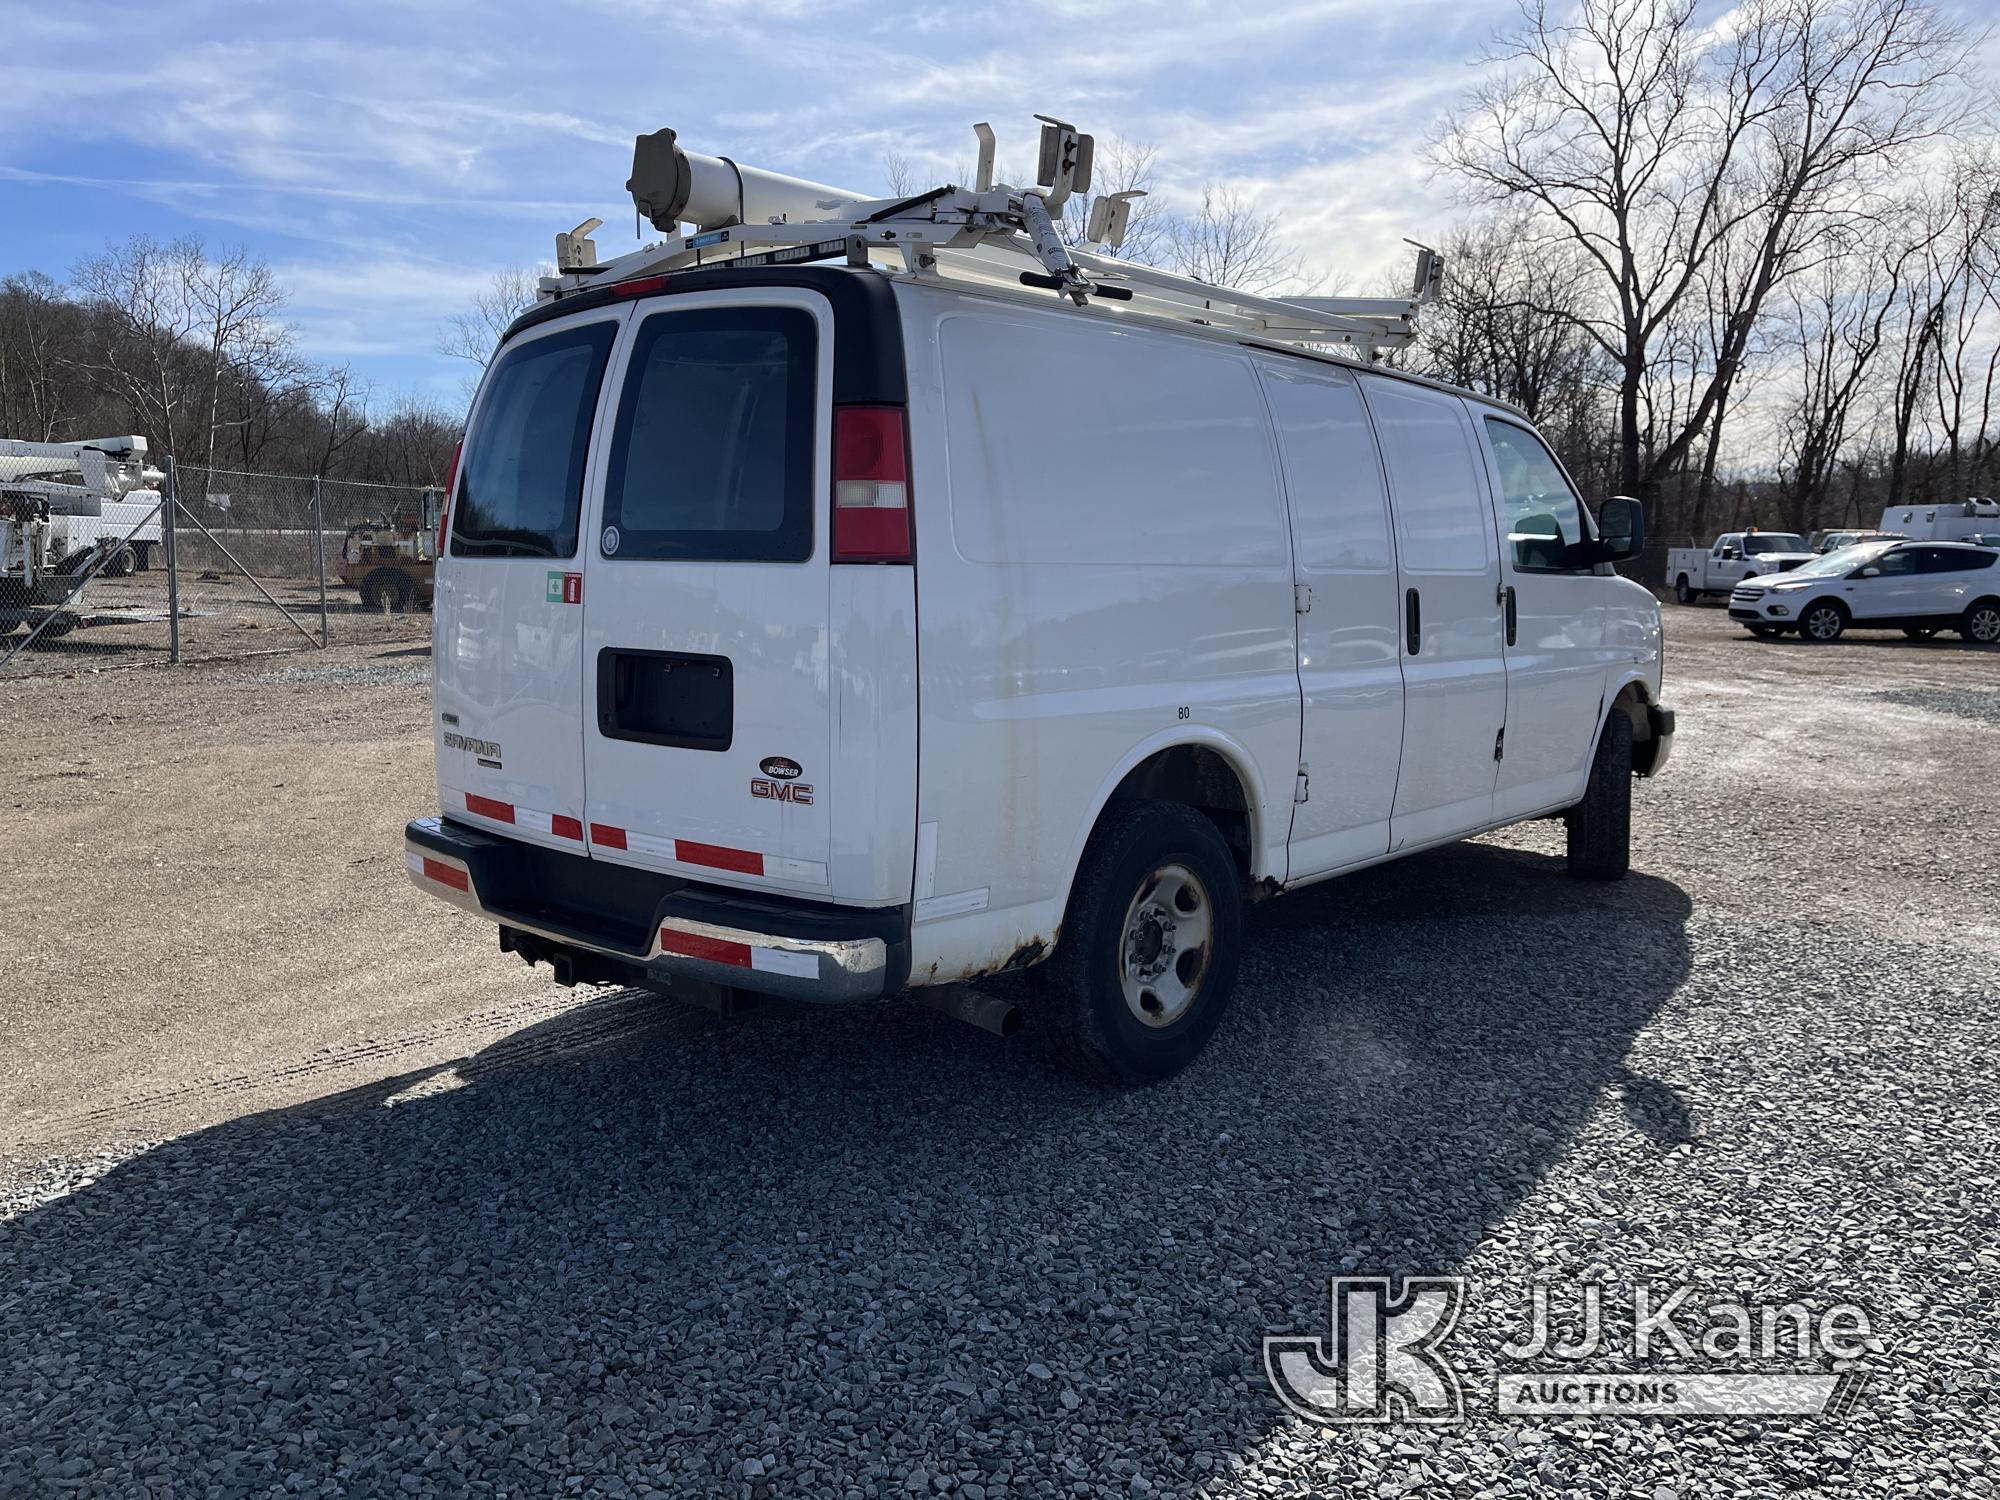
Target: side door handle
[1508,603]
[1413,622]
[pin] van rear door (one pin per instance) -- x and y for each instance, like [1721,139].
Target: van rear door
[707,685]
[508,634]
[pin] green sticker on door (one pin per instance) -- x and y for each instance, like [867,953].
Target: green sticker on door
[565,588]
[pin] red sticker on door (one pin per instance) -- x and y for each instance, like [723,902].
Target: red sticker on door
[565,588]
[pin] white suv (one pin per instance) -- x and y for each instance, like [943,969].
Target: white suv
[830,632]
[1917,587]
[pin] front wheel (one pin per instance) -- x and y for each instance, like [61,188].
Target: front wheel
[1981,624]
[1600,826]
[1822,622]
[1147,955]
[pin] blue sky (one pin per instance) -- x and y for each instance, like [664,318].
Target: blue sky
[387,159]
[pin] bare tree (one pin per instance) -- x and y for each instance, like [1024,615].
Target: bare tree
[235,302]
[143,328]
[1121,166]
[175,327]
[899,172]
[40,330]
[1952,234]
[1649,141]
[475,333]
[1229,241]
[340,416]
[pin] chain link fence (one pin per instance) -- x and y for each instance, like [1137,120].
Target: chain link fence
[215,564]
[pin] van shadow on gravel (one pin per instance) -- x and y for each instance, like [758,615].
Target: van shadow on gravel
[839,1244]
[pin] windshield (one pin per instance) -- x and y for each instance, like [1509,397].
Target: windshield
[1773,541]
[1840,560]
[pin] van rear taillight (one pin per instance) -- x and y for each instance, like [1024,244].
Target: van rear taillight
[444,509]
[871,485]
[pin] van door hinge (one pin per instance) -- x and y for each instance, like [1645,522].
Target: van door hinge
[1302,598]
[1500,743]
[1302,789]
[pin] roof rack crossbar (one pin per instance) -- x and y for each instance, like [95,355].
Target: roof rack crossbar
[994,232]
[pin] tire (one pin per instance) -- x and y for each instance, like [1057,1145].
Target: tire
[386,589]
[124,563]
[1981,622]
[1822,622]
[1600,826]
[1683,594]
[1920,632]
[1111,939]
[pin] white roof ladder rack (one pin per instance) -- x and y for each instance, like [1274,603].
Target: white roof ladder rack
[990,232]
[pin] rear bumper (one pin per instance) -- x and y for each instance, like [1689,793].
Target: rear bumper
[658,929]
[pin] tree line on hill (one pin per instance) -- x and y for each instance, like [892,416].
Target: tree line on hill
[189,347]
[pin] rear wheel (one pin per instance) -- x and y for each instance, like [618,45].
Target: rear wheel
[124,563]
[1147,955]
[1683,592]
[1822,622]
[1981,623]
[386,589]
[1600,826]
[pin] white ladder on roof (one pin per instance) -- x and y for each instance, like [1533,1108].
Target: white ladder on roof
[989,233]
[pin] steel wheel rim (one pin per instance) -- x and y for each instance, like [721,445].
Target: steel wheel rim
[1165,945]
[1986,625]
[1823,623]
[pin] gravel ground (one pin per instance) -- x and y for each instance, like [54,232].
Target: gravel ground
[626,1249]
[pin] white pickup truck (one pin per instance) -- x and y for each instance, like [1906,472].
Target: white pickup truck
[1736,555]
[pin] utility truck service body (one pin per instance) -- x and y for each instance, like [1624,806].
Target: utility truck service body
[1735,556]
[832,631]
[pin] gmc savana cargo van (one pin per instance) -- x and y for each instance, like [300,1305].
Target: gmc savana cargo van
[834,632]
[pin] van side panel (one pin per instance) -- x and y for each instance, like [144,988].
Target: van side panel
[1104,569]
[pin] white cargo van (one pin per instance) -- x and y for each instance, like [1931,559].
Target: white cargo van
[833,631]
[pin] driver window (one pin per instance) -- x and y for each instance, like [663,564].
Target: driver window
[1544,517]
[1896,564]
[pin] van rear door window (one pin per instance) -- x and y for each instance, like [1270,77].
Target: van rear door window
[712,457]
[522,486]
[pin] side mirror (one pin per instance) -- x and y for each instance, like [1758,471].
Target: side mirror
[1730,554]
[1871,571]
[1621,529]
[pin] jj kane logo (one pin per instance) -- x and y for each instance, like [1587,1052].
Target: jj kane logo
[1383,1355]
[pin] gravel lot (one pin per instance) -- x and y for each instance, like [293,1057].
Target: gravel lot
[314,1192]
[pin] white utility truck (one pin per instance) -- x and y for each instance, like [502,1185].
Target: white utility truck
[68,511]
[1698,572]
[851,596]
[1943,523]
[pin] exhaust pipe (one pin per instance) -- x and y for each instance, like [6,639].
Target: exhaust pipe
[961,1002]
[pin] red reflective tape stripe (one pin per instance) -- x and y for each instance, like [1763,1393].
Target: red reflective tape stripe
[454,877]
[486,807]
[716,857]
[566,828]
[609,837]
[715,950]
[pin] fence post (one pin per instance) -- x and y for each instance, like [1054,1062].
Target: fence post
[173,501]
[319,554]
